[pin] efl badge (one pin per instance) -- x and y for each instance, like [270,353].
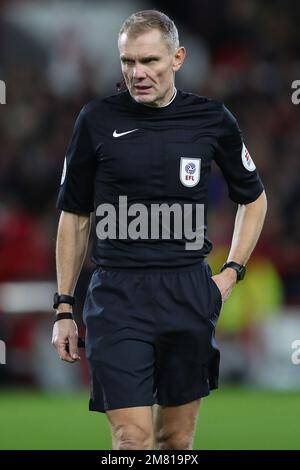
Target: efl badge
[247,160]
[190,171]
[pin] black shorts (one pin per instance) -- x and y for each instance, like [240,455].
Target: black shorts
[150,336]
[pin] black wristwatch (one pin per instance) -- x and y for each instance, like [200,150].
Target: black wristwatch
[239,268]
[63,299]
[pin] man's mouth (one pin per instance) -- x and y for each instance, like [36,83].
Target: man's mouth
[142,87]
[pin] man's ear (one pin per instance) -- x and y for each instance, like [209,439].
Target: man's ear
[178,59]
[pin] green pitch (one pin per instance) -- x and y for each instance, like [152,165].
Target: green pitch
[231,418]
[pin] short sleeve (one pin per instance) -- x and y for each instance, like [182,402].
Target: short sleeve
[235,162]
[76,193]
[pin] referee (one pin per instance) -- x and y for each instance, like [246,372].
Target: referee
[141,160]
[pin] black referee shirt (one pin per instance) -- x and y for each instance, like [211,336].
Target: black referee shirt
[152,156]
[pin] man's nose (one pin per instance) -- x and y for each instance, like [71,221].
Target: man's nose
[139,71]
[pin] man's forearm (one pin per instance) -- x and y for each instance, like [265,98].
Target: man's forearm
[72,241]
[248,225]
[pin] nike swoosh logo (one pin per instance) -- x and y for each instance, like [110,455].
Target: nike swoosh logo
[116,134]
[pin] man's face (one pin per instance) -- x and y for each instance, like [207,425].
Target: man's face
[148,67]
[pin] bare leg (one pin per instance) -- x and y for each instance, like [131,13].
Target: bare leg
[174,426]
[131,428]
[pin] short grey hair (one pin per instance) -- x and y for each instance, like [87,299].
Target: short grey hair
[143,21]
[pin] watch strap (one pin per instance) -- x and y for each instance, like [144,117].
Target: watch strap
[64,316]
[62,299]
[239,268]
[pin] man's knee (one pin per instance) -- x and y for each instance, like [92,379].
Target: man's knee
[132,437]
[174,441]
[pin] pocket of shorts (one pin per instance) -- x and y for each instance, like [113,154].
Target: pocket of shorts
[217,291]
[217,302]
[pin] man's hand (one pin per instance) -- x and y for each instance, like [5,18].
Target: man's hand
[64,340]
[225,282]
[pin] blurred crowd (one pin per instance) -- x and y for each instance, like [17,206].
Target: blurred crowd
[252,51]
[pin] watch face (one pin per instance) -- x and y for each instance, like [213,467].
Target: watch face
[241,273]
[55,299]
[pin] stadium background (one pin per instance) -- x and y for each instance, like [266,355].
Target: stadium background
[54,57]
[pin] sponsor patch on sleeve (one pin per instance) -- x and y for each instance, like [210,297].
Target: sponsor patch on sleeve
[63,176]
[247,160]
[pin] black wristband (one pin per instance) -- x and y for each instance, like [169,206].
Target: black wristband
[240,269]
[64,316]
[62,299]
